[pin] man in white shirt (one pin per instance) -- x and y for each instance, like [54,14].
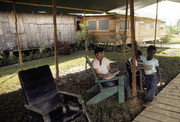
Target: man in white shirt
[152,72]
[103,70]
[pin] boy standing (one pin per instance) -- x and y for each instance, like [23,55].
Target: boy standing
[152,72]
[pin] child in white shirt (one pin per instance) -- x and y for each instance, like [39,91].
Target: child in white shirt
[152,73]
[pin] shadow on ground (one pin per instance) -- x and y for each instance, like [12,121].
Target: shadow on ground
[105,111]
[12,104]
[12,107]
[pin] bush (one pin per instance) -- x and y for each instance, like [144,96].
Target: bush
[7,60]
[83,35]
[1,58]
[166,38]
[64,48]
[1,54]
[172,29]
[44,47]
[26,56]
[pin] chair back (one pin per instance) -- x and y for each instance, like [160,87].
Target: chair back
[90,64]
[128,66]
[39,87]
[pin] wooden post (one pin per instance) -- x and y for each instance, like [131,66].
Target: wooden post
[18,38]
[125,31]
[86,39]
[55,39]
[155,33]
[134,92]
[86,43]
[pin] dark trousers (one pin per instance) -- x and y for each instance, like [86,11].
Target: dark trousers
[151,86]
[115,83]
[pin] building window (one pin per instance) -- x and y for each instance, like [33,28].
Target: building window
[162,25]
[103,24]
[148,25]
[92,25]
[122,25]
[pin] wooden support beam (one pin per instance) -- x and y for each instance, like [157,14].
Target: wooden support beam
[62,7]
[125,31]
[86,32]
[18,38]
[134,92]
[86,43]
[55,39]
[155,33]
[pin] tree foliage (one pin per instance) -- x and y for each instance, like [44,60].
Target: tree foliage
[172,29]
[83,35]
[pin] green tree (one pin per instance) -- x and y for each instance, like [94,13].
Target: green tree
[83,35]
[172,29]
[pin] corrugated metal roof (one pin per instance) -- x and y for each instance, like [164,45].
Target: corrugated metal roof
[102,5]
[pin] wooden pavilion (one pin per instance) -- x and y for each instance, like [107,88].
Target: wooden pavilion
[67,6]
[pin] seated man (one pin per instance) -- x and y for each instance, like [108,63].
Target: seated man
[103,70]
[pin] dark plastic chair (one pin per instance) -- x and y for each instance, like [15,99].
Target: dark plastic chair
[44,102]
[139,77]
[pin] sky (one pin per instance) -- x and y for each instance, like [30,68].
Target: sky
[167,11]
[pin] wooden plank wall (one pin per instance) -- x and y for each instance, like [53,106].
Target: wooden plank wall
[35,30]
[148,34]
[113,34]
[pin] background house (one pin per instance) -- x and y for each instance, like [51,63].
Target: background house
[34,30]
[110,28]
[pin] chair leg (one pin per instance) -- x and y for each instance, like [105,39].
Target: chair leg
[141,81]
[46,118]
[102,95]
[86,117]
[121,90]
[121,94]
[94,89]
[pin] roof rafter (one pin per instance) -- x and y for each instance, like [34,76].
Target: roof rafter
[62,7]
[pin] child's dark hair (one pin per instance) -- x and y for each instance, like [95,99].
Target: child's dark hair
[139,52]
[151,47]
[98,49]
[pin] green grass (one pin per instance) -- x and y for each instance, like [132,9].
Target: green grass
[8,74]
[12,99]
[173,42]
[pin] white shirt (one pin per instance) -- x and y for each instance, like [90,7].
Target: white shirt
[130,60]
[103,68]
[151,64]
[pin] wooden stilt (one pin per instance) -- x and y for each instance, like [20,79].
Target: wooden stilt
[18,38]
[55,39]
[134,92]
[155,33]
